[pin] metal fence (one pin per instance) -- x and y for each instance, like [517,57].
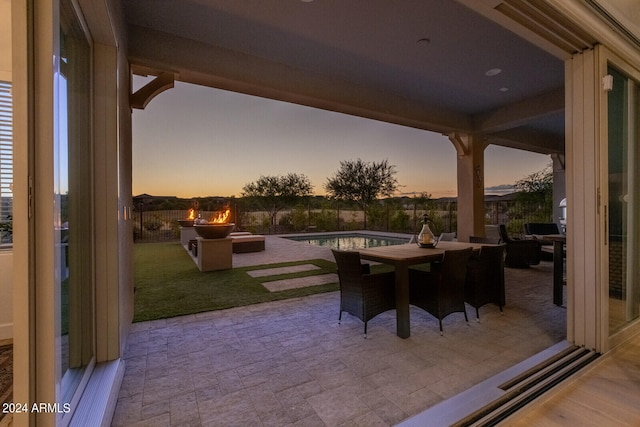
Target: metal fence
[162,225]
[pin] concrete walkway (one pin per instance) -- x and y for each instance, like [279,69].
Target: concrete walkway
[289,363]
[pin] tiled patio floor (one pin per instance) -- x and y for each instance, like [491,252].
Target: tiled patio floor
[289,363]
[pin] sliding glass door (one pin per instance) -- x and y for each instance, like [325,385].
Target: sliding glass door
[623,221]
[72,196]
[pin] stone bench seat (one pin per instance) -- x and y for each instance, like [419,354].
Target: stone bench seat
[247,243]
[242,242]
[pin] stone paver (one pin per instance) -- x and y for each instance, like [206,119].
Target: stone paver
[300,282]
[289,363]
[282,270]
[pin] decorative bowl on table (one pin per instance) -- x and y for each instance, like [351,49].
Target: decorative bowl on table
[214,231]
[185,222]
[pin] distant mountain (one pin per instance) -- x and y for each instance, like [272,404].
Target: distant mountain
[499,190]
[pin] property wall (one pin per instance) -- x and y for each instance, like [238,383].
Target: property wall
[6,257]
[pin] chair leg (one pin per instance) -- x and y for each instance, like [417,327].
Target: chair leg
[465,315]
[365,330]
[340,317]
[440,321]
[477,315]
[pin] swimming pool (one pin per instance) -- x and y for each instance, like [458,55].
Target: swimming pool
[350,241]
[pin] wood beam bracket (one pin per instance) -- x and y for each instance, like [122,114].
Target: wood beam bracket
[140,98]
[463,141]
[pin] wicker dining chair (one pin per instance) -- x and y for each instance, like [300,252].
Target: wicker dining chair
[363,294]
[440,291]
[485,278]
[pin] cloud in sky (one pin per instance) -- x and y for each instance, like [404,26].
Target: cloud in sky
[194,141]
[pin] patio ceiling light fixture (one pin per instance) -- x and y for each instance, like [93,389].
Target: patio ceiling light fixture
[493,72]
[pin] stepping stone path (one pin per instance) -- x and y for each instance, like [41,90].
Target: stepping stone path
[299,282]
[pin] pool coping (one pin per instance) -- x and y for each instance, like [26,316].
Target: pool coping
[350,232]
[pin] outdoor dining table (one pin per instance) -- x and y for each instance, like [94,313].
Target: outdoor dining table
[401,257]
[559,240]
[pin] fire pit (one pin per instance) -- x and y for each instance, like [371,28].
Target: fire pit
[216,228]
[214,231]
[190,219]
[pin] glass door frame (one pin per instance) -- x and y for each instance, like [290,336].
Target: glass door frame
[608,59]
[37,118]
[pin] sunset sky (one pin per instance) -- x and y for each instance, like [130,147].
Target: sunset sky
[193,141]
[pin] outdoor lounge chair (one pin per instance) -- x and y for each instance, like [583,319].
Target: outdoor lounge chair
[440,292]
[363,294]
[538,230]
[485,278]
[447,237]
[520,253]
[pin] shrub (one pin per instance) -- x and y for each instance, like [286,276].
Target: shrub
[155,223]
[324,220]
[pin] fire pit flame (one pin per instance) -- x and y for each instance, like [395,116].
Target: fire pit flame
[220,217]
[189,221]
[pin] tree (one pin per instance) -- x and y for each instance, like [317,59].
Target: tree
[538,183]
[536,192]
[276,192]
[362,182]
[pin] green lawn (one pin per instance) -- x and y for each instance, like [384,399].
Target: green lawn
[169,284]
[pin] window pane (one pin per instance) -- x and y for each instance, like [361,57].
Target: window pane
[6,166]
[72,203]
[624,221]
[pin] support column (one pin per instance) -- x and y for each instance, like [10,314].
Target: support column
[470,149]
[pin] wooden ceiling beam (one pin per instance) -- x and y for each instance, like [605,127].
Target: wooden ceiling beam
[520,113]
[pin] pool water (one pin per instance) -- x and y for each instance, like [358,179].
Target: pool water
[350,241]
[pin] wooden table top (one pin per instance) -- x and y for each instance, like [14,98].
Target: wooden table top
[411,252]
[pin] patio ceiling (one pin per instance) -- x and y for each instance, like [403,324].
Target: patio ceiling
[424,64]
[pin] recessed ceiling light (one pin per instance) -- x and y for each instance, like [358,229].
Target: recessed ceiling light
[493,72]
[504,89]
[424,41]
